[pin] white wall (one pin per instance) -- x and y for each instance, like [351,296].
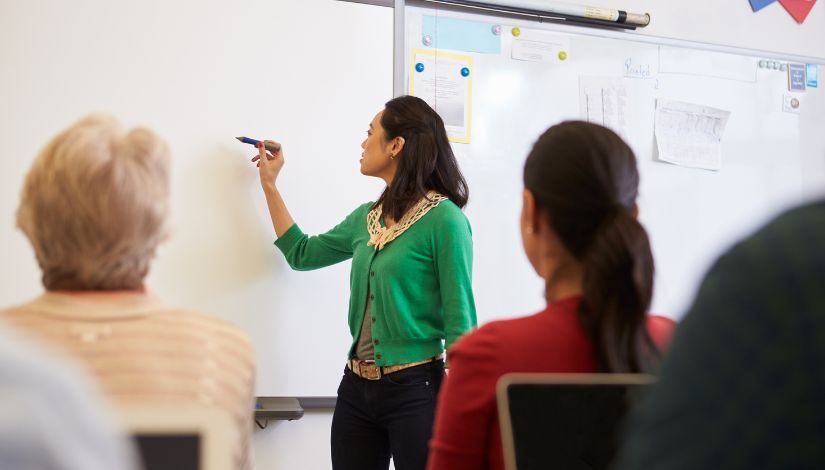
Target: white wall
[62,59]
[730,22]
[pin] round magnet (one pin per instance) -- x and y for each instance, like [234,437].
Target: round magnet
[516,31]
[465,71]
[427,40]
[562,55]
[795,103]
[496,29]
[783,67]
[419,67]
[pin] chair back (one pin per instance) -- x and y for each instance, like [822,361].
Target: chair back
[564,421]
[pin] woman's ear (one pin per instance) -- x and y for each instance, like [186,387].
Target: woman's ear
[530,213]
[396,146]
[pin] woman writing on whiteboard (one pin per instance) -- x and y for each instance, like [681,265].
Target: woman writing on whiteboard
[580,233]
[410,284]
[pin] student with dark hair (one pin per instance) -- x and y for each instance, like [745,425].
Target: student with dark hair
[410,284]
[580,233]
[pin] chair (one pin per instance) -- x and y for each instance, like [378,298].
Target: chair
[564,421]
[180,439]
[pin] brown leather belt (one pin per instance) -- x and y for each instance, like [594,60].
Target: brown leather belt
[369,371]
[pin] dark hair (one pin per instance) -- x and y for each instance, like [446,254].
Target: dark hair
[426,161]
[584,178]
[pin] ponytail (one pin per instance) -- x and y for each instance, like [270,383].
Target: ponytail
[617,291]
[584,177]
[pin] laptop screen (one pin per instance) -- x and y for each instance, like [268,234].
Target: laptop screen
[169,451]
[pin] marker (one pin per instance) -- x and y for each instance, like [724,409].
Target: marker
[271,146]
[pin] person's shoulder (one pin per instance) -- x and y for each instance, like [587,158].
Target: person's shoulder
[493,334]
[365,207]
[660,329]
[788,245]
[449,214]
[208,325]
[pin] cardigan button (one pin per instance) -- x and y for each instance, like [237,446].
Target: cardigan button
[378,356]
[372,296]
[376,342]
[372,274]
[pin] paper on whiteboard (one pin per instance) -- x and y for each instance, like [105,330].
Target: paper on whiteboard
[604,101]
[535,51]
[707,63]
[444,81]
[690,134]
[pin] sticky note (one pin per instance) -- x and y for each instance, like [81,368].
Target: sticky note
[461,35]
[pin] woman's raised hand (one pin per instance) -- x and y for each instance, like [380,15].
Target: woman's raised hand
[269,164]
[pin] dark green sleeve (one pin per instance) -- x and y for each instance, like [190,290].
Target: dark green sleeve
[454,265]
[304,253]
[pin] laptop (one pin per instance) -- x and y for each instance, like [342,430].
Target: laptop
[180,439]
[565,421]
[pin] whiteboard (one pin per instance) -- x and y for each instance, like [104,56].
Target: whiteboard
[201,73]
[771,159]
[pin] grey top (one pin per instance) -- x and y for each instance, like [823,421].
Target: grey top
[50,418]
[365,350]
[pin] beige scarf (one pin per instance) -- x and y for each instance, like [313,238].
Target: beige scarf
[381,236]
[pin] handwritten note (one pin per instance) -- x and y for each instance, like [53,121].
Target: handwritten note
[635,69]
[690,134]
[603,101]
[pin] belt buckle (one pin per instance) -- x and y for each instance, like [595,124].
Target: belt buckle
[356,364]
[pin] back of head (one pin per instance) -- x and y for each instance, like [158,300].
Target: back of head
[426,161]
[584,178]
[94,204]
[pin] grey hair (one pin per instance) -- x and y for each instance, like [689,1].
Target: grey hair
[94,205]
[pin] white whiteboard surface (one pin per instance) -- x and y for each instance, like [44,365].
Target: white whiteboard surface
[311,73]
[771,159]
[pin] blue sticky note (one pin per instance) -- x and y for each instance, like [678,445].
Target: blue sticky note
[460,35]
[760,4]
[796,77]
[812,75]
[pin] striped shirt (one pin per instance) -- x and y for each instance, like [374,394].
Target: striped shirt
[144,354]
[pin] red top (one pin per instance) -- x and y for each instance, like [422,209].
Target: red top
[466,433]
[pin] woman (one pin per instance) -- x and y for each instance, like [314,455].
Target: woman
[580,233]
[410,286]
[94,207]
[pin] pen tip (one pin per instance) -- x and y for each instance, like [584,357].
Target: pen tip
[239,138]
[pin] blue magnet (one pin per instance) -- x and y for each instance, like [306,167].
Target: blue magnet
[419,67]
[465,71]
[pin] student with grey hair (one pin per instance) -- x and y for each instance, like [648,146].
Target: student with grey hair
[94,206]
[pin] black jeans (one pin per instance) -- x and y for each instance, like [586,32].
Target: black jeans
[392,416]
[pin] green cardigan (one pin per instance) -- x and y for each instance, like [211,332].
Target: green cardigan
[420,284]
